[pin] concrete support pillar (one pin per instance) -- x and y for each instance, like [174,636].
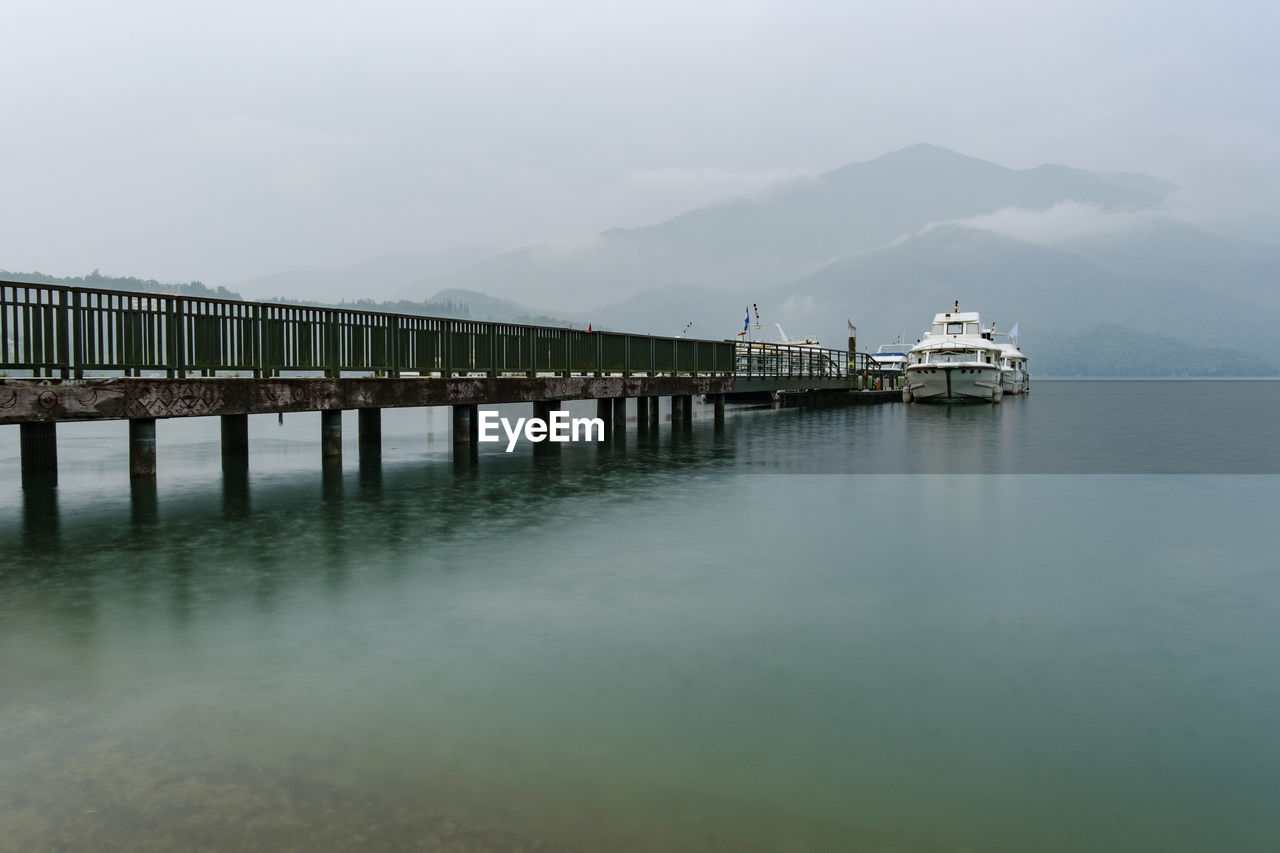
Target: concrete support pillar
[683,403]
[38,443]
[370,425]
[142,447]
[466,426]
[235,441]
[718,401]
[642,413]
[619,416]
[654,415]
[682,408]
[331,433]
[604,411]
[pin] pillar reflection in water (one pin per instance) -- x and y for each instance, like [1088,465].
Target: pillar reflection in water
[40,509]
[235,493]
[143,503]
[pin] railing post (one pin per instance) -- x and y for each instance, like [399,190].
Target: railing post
[393,346]
[446,348]
[64,336]
[493,350]
[170,337]
[260,335]
[331,332]
[180,338]
[79,336]
[533,352]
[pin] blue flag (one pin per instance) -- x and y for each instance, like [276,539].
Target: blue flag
[746,322]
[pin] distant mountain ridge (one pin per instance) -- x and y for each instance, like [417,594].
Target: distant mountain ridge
[745,244]
[127,283]
[888,242]
[885,244]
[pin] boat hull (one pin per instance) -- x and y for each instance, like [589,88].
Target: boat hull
[1015,381]
[955,383]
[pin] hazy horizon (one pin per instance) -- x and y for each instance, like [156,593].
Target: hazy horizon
[179,142]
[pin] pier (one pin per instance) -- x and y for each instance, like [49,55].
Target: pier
[79,354]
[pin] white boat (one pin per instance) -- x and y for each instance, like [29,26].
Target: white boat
[891,360]
[955,361]
[1014,376]
[890,364]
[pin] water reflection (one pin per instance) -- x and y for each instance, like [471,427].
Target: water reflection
[40,510]
[447,496]
[143,503]
[235,494]
[370,476]
[620,642]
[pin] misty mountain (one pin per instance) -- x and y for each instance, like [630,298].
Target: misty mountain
[478,306]
[889,242]
[706,312]
[482,307]
[380,278]
[886,243]
[450,304]
[864,205]
[1109,350]
[743,245]
[1166,249]
[897,289]
[97,280]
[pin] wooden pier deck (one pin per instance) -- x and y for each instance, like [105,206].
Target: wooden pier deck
[77,354]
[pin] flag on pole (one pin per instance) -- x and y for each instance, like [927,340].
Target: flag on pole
[1013,333]
[745,323]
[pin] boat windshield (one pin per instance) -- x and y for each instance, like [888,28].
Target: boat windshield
[953,357]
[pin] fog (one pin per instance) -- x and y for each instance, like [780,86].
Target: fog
[228,141]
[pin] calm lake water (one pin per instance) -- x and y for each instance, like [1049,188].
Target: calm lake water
[1048,625]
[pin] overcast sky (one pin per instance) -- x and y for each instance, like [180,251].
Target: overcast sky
[225,140]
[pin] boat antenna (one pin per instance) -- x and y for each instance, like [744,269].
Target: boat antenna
[685,331]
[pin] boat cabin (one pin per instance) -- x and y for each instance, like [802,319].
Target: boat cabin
[957,356]
[957,323]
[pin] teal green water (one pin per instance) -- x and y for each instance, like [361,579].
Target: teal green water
[647,647]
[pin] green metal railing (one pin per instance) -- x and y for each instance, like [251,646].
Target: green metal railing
[787,360]
[68,332]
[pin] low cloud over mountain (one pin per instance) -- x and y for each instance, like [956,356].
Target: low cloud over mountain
[891,241]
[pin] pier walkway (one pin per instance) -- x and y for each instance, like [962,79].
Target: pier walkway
[75,354]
